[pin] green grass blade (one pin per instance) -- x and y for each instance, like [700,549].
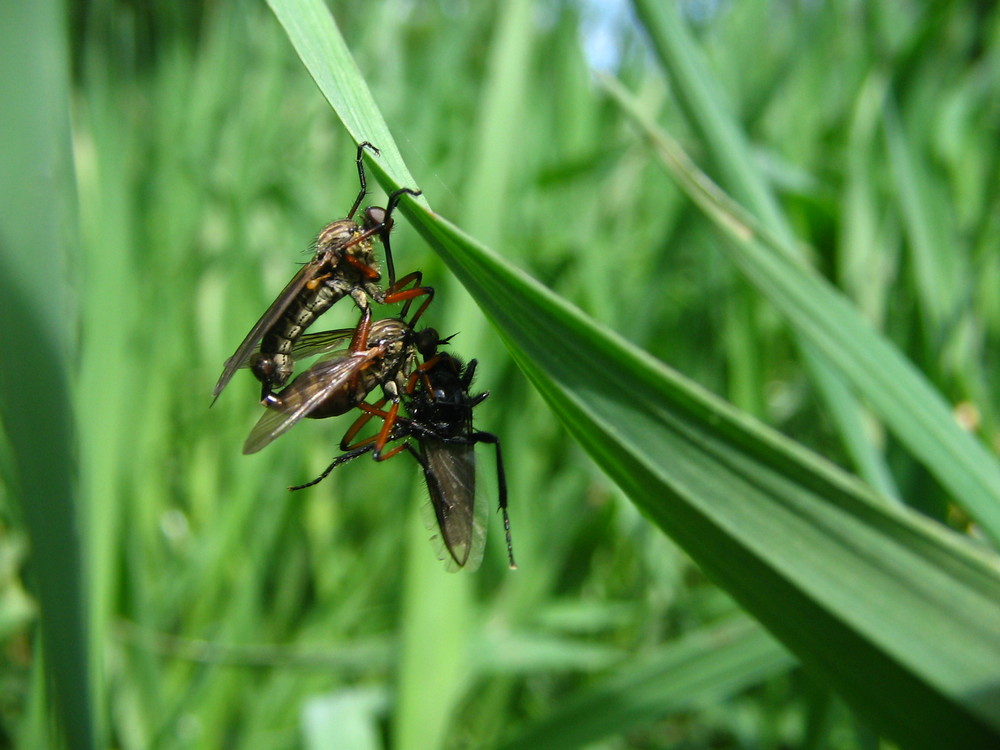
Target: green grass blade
[699,668]
[431,681]
[37,219]
[899,393]
[890,607]
[702,101]
[317,40]
[704,106]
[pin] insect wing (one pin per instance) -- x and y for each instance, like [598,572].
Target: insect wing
[386,330]
[246,349]
[303,395]
[321,342]
[450,473]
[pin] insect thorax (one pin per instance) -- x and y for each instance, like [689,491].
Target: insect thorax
[344,237]
[337,234]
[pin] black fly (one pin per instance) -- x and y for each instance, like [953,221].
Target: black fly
[439,419]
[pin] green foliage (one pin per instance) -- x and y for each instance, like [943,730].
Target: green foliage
[856,143]
[37,230]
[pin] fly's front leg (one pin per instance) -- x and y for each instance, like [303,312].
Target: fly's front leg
[369,272]
[370,410]
[387,227]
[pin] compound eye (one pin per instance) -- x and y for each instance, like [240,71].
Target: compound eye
[375,216]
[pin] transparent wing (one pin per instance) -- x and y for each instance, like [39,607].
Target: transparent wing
[246,349]
[321,342]
[304,394]
[384,330]
[450,473]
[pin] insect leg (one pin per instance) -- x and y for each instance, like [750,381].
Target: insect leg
[387,226]
[343,459]
[385,433]
[361,175]
[370,273]
[359,341]
[489,437]
[398,292]
[371,410]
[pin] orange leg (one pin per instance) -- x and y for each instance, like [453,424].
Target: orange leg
[398,292]
[378,454]
[377,442]
[367,270]
[383,436]
[371,410]
[359,341]
[421,372]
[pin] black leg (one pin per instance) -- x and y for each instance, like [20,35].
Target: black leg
[343,459]
[387,226]
[361,175]
[489,437]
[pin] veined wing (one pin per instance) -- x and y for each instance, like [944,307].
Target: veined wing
[246,349]
[321,342]
[450,473]
[305,393]
[384,330]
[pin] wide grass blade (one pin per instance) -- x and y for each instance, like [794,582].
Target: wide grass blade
[888,606]
[315,36]
[37,232]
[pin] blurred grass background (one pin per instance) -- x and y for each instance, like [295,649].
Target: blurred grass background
[228,612]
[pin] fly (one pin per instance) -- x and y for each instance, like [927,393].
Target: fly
[382,353]
[439,419]
[343,264]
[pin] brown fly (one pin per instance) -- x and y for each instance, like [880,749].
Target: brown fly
[382,353]
[343,264]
